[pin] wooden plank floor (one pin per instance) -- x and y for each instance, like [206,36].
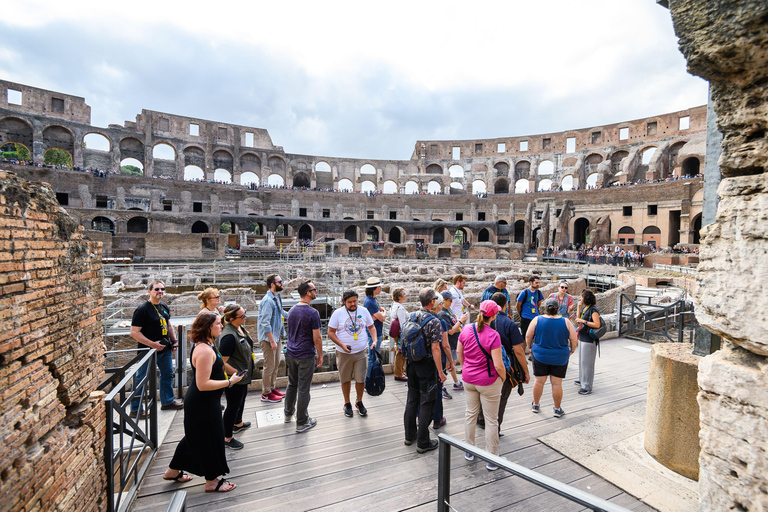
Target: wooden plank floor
[355,464]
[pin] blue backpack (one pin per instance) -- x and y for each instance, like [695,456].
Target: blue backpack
[375,380]
[412,339]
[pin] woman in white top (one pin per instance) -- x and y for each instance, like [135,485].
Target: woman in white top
[397,310]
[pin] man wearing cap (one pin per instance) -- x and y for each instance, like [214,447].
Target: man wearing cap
[346,329]
[452,325]
[372,290]
[499,286]
[425,378]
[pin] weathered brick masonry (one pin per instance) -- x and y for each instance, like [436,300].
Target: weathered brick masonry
[51,359]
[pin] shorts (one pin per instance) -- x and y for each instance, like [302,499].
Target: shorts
[542,369]
[352,366]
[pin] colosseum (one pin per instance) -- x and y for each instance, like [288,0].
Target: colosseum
[204,189]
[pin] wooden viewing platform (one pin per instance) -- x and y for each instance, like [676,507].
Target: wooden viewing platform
[355,464]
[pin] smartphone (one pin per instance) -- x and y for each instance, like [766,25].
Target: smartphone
[349,347]
[241,373]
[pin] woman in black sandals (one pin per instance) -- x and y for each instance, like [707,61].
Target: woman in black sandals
[201,450]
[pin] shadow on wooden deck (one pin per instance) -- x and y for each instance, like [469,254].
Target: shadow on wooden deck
[355,464]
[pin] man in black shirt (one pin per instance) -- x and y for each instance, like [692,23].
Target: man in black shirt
[425,378]
[150,327]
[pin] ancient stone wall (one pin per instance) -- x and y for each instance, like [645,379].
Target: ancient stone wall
[726,42]
[52,420]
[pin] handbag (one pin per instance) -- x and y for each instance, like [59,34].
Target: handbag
[489,362]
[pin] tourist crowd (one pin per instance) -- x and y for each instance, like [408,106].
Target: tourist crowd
[436,341]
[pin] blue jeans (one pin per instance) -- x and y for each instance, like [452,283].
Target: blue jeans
[165,364]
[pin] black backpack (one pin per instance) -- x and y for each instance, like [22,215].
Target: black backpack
[412,339]
[375,381]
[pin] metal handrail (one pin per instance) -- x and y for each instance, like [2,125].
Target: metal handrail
[137,440]
[178,502]
[566,491]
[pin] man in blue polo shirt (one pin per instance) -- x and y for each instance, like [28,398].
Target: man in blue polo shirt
[372,289]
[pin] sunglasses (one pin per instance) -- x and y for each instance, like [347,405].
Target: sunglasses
[242,316]
[216,296]
[158,289]
[563,287]
[312,290]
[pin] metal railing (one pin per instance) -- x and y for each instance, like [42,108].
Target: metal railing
[566,491]
[656,322]
[178,502]
[131,443]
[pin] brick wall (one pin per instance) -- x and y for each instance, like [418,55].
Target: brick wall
[51,360]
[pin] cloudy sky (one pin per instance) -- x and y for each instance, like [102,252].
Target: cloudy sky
[357,79]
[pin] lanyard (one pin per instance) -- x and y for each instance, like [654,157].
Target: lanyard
[352,319]
[163,323]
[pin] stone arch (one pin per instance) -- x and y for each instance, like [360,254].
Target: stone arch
[367,186]
[346,184]
[131,147]
[301,180]
[397,235]
[438,236]
[502,169]
[522,186]
[15,129]
[522,170]
[59,137]
[249,162]
[201,226]
[456,188]
[374,234]
[411,187]
[691,166]
[456,171]
[277,164]
[193,173]
[696,228]
[592,179]
[520,232]
[652,236]
[567,182]
[434,169]
[248,178]
[322,166]
[647,154]
[580,230]
[546,168]
[462,236]
[351,233]
[367,169]
[434,187]
[627,235]
[591,162]
[501,186]
[223,159]
[138,225]
[194,155]
[674,151]
[478,187]
[223,175]
[545,185]
[305,232]
[484,235]
[275,180]
[95,141]
[102,223]
[616,159]
[389,187]
[163,151]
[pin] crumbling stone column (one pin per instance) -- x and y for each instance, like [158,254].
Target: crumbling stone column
[53,421]
[726,42]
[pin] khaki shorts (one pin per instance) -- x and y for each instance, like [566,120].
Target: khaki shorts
[352,366]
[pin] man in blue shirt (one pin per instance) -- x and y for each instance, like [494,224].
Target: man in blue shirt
[270,329]
[528,303]
[499,286]
[372,289]
[514,346]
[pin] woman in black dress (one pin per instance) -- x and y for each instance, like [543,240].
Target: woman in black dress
[201,450]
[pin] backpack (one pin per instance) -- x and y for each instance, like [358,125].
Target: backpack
[394,328]
[375,381]
[412,338]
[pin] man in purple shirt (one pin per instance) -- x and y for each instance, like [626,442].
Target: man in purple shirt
[304,351]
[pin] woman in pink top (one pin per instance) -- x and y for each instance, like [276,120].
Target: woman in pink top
[479,351]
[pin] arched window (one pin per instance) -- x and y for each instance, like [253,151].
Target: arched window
[131,167]
[546,168]
[390,187]
[438,236]
[545,185]
[648,155]
[103,224]
[521,186]
[163,151]
[456,187]
[519,231]
[193,173]
[411,187]
[567,183]
[222,175]
[200,227]
[395,236]
[351,233]
[248,178]
[456,171]
[346,185]
[373,234]
[305,232]
[322,167]
[478,187]
[434,187]
[691,166]
[301,180]
[434,169]
[96,142]
[275,180]
[367,186]
[501,186]
[367,169]
[138,225]
[592,179]
[484,235]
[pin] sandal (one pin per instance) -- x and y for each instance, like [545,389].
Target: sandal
[222,482]
[182,477]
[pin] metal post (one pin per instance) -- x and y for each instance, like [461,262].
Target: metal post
[444,477]
[108,460]
[152,372]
